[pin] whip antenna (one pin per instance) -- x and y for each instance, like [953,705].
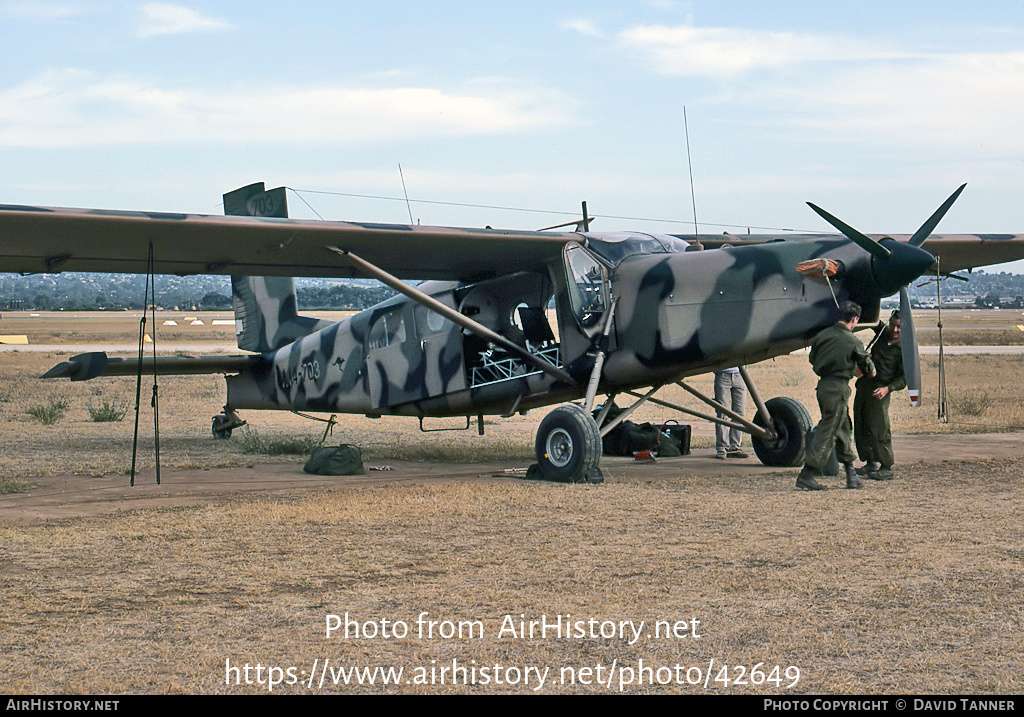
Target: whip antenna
[689,161]
[408,204]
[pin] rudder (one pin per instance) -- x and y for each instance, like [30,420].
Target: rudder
[266,309]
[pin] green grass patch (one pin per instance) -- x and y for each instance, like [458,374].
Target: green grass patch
[970,403]
[14,486]
[252,442]
[49,413]
[108,411]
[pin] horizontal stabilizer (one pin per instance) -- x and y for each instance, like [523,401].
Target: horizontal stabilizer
[85,366]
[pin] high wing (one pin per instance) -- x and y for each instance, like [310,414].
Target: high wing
[954,252]
[51,240]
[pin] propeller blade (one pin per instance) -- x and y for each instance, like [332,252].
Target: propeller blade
[926,229]
[862,240]
[911,358]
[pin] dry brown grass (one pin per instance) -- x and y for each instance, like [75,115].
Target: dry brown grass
[909,587]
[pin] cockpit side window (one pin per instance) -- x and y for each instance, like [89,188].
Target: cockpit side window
[588,289]
[614,248]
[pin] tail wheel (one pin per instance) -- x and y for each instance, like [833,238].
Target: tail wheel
[568,445]
[221,427]
[791,423]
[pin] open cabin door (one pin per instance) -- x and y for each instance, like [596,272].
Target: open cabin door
[514,306]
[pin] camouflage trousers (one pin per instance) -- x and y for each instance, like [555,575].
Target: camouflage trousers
[835,427]
[871,424]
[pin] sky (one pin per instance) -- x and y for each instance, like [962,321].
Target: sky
[875,111]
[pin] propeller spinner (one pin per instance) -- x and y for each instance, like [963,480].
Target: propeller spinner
[894,266]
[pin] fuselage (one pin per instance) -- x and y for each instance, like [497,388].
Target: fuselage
[675,313]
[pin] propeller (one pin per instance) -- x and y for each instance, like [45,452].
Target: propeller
[894,266]
[926,229]
[908,342]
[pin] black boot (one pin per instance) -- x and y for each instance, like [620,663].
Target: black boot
[867,469]
[882,473]
[805,481]
[852,481]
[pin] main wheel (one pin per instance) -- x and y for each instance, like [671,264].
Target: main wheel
[791,422]
[568,444]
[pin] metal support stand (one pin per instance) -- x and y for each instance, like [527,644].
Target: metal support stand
[149,300]
[943,411]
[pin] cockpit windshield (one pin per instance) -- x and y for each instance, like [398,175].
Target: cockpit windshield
[613,248]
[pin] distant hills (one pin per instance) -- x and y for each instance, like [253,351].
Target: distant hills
[983,290]
[116,292]
[75,291]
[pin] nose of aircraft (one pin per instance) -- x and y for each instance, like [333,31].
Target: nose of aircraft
[904,265]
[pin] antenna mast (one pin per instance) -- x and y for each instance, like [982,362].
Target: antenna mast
[408,204]
[689,161]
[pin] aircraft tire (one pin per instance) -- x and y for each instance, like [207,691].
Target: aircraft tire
[218,430]
[568,445]
[792,423]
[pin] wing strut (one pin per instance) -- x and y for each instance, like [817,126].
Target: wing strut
[452,315]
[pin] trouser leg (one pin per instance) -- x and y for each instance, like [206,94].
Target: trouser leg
[861,426]
[721,432]
[739,405]
[834,428]
[883,434]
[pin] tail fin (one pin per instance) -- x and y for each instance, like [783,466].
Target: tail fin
[266,310]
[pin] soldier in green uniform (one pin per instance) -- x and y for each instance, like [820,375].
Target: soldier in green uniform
[836,353]
[871,403]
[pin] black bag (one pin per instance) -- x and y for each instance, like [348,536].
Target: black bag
[678,435]
[627,438]
[343,460]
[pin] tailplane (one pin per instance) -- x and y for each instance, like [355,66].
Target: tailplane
[266,310]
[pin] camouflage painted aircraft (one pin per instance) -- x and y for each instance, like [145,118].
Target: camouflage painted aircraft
[634,312]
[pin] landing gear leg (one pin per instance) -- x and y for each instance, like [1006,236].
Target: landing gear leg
[778,431]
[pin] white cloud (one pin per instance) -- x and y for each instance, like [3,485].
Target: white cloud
[968,101]
[685,50]
[76,108]
[583,27]
[165,19]
[831,88]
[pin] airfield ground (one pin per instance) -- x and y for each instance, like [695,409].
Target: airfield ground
[910,586]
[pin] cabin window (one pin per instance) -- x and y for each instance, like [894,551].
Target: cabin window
[388,329]
[430,322]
